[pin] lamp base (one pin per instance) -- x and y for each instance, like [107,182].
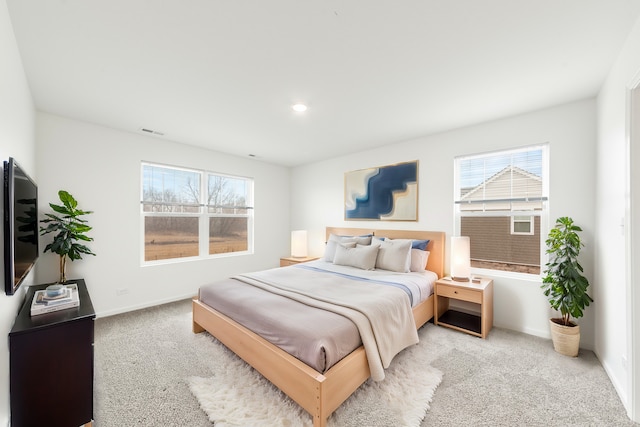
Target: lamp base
[460,279]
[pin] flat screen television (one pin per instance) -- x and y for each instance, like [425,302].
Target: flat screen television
[20,225]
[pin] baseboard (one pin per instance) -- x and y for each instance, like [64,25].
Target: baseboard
[622,394]
[144,305]
[540,333]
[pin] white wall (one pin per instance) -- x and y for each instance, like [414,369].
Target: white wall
[17,123]
[613,290]
[100,167]
[318,194]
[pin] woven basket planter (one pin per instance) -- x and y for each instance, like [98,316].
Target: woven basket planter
[566,339]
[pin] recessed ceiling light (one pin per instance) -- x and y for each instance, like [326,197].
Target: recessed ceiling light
[299,108]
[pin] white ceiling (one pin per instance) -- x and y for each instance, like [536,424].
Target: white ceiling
[223,74]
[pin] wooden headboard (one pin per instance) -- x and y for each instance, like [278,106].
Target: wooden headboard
[436,246]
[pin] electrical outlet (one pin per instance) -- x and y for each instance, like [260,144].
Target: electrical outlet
[122,291]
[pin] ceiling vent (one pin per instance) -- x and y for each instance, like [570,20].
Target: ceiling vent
[151,131]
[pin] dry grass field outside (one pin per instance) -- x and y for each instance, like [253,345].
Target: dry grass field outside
[168,246]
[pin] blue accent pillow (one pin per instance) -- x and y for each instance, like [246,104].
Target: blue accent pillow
[420,244]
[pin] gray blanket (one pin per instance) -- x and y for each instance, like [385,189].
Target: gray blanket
[381,313]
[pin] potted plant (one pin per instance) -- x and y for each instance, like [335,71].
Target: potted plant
[69,229]
[564,285]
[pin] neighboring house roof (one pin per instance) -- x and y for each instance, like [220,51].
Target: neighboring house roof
[510,183]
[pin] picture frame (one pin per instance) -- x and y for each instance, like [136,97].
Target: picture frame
[383,193]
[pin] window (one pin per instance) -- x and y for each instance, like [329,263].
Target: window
[522,224]
[189,213]
[500,199]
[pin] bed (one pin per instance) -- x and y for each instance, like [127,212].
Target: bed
[319,393]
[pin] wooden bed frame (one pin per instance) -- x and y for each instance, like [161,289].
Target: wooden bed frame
[319,394]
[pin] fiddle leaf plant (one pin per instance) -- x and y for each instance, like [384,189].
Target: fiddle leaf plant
[69,229]
[564,284]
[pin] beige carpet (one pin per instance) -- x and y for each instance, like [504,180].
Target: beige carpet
[236,395]
[144,358]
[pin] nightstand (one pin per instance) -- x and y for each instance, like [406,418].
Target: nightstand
[284,262]
[480,294]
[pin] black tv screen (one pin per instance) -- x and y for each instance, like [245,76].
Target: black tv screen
[20,225]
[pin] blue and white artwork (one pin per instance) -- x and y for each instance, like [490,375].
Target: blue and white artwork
[382,193]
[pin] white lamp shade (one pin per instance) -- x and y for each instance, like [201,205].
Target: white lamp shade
[299,243]
[460,258]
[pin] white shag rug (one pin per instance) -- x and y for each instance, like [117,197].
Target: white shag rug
[238,396]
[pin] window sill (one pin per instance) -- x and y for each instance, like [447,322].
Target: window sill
[485,272]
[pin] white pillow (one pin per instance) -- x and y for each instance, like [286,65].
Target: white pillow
[334,240]
[394,255]
[419,260]
[375,240]
[363,257]
[330,250]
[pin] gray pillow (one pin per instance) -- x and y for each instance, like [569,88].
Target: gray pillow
[394,255]
[334,240]
[363,257]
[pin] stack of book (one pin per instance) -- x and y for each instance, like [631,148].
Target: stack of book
[47,301]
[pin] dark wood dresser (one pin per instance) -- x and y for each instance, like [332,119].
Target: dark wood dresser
[51,364]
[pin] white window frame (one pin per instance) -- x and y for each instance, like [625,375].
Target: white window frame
[522,219]
[203,216]
[543,213]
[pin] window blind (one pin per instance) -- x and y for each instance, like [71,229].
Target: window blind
[507,181]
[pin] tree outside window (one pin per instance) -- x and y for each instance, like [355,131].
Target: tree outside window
[180,223]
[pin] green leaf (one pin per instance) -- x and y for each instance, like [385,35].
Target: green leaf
[68,227]
[68,200]
[564,284]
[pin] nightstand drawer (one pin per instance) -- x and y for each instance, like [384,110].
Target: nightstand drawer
[460,293]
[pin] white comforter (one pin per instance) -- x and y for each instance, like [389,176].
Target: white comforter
[420,284]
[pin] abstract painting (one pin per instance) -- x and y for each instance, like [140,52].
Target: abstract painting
[387,193]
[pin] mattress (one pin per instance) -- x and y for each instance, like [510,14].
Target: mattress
[318,337]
